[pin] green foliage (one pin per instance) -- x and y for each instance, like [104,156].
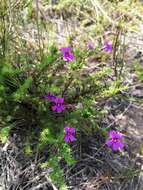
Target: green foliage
[114,89]
[57,174]
[49,76]
[5,125]
[65,151]
[4,133]
[27,75]
[139,71]
[22,91]
[27,149]
[46,138]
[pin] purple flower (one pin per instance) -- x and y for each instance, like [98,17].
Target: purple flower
[115,140]
[69,134]
[67,55]
[50,96]
[107,46]
[90,45]
[59,105]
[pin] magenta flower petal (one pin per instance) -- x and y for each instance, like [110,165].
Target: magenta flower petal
[118,146]
[71,138]
[90,45]
[64,58]
[66,49]
[121,145]
[62,50]
[71,57]
[59,105]
[67,129]
[54,108]
[59,110]
[115,134]
[107,46]
[61,100]
[66,138]
[109,142]
[71,130]
[112,133]
[115,140]
[50,96]
[69,134]
[67,55]
[62,107]
[56,100]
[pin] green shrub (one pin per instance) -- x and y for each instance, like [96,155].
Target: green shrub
[25,81]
